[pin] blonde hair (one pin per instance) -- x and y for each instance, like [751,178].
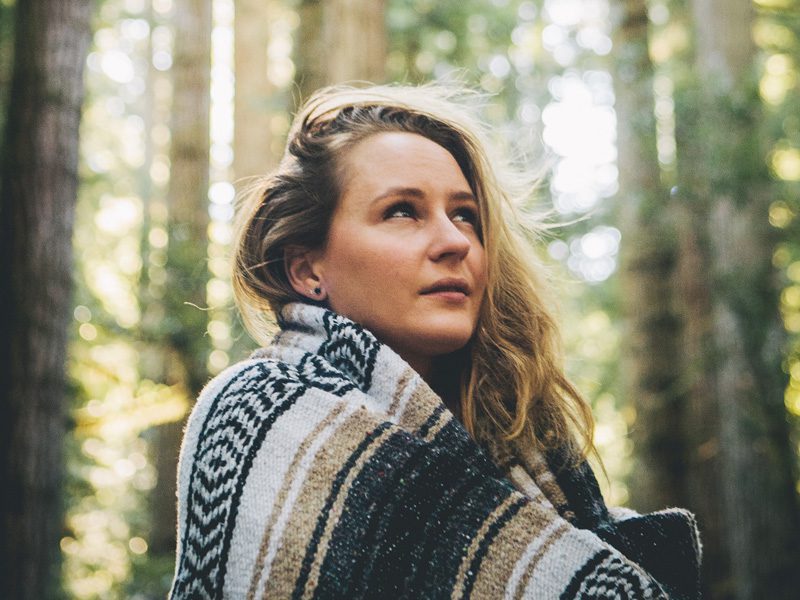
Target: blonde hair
[512,384]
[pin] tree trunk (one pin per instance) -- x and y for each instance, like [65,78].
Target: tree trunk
[255,96]
[39,187]
[651,336]
[186,342]
[6,57]
[340,41]
[734,335]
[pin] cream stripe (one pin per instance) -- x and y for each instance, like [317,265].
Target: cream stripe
[536,460]
[544,475]
[527,579]
[458,588]
[293,483]
[336,512]
[541,471]
[404,391]
[521,568]
[288,478]
[527,486]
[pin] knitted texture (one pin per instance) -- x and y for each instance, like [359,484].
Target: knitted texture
[324,467]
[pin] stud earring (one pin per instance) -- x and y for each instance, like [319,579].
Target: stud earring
[316,291]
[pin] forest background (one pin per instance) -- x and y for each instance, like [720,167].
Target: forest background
[671,133]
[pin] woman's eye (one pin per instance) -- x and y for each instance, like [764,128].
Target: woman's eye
[466,215]
[401,210]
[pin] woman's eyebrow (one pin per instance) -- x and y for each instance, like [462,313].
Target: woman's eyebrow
[413,192]
[400,191]
[466,196]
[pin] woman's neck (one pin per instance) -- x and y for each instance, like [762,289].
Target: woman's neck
[445,380]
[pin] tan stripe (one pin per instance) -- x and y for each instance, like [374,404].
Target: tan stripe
[421,405]
[400,390]
[458,589]
[315,491]
[336,512]
[538,468]
[523,584]
[277,509]
[507,548]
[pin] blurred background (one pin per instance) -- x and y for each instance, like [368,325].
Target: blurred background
[670,135]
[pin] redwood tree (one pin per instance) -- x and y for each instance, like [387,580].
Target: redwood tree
[184,343]
[340,41]
[704,339]
[729,418]
[741,479]
[650,343]
[37,201]
[253,152]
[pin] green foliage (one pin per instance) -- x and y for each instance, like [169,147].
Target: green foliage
[470,41]
[778,35]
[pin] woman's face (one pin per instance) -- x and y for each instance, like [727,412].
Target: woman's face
[403,256]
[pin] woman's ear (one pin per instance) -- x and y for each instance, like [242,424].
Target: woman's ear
[302,271]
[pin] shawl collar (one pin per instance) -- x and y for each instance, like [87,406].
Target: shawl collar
[315,339]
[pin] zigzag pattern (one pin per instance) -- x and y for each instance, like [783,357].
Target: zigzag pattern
[235,427]
[350,349]
[609,578]
[317,372]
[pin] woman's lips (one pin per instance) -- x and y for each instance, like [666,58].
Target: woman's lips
[450,296]
[449,285]
[450,289]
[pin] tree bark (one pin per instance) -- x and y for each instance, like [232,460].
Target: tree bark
[340,41]
[6,58]
[733,330]
[186,343]
[39,188]
[648,255]
[255,96]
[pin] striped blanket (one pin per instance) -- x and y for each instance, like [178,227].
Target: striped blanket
[325,467]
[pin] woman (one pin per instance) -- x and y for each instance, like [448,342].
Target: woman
[409,432]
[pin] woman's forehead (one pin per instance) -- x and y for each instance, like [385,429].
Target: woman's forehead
[401,159]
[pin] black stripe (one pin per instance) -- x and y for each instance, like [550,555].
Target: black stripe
[454,437]
[430,421]
[394,508]
[380,526]
[421,555]
[580,488]
[311,549]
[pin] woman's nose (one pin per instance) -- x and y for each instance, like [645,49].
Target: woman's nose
[447,240]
